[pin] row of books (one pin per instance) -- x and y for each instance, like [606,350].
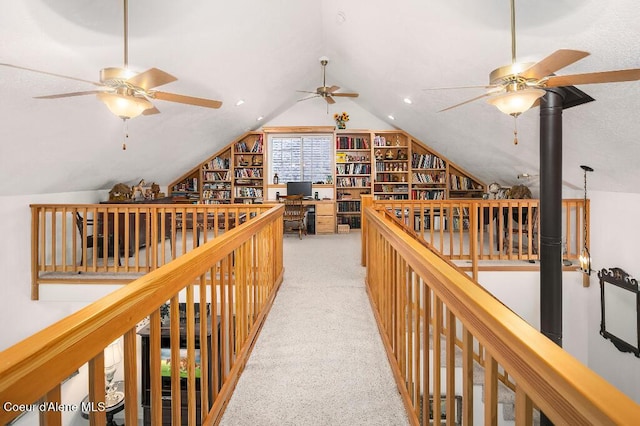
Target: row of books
[249,173]
[417,194]
[426,161]
[248,192]
[217,163]
[392,167]
[391,188]
[382,141]
[344,182]
[428,178]
[187,185]
[353,169]
[460,182]
[217,176]
[352,221]
[209,194]
[243,147]
[350,142]
[349,206]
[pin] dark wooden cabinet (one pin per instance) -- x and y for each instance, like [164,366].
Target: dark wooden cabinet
[165,344]
[138,223]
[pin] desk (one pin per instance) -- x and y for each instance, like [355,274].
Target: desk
[85,406]
[324,218]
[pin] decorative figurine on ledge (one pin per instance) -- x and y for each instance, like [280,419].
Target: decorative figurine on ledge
[378,154]
[388,155]
[401,155]
[120,192]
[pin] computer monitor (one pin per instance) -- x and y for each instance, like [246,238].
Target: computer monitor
[296,188]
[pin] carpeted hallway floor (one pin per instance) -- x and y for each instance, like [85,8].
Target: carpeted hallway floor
[319,359]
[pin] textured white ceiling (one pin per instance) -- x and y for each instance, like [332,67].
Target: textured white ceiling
[263,51]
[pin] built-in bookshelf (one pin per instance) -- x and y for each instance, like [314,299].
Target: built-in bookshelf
[428,174]
[462,185]
[389,164]
[248,169]
[391,159]
[353,175]
[216,179]
[186,189]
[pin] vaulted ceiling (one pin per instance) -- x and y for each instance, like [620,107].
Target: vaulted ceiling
[264,51]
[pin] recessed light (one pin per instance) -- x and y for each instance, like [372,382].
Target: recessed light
[260,118]
[408,101]
[240,102]
[391,117]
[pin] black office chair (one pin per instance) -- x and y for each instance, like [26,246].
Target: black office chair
[88,241]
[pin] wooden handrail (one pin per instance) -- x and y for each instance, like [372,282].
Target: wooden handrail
[115,243]
[245,261]
[410,285]
[484,230]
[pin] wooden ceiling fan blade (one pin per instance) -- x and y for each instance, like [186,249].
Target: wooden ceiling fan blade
[593,78]
[332,89]
[554,62]
[151,111]
[50,73]
[151,78]
[189,100]
[468,101]
[329,100]
[68,95]
[346,95]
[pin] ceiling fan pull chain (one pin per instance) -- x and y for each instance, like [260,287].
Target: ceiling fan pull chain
[515,130]
[125,129]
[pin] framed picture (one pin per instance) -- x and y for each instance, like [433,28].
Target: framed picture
[443,409]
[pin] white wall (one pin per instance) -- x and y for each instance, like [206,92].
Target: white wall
[19,315]
[614,235]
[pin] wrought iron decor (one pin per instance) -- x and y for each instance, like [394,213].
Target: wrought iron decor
[620,309]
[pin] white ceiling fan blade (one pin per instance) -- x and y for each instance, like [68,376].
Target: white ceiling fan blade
[50,73]
[68,95]
[484,95]
[490,86]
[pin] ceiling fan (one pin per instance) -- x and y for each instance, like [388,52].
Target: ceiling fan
[126,93]
[324,91]
[516,87]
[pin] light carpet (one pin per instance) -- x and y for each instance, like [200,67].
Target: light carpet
[319,359]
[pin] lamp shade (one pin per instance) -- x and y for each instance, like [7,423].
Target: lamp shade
[516,102]
[112,354]
[124,106]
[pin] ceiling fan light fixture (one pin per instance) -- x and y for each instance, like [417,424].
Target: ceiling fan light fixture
[516,102]
[124,106]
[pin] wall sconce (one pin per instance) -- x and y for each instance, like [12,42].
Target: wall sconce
[585,256]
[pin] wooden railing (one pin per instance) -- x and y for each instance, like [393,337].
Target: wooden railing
[485,230]
[235,277]
[424,304]
[118,242]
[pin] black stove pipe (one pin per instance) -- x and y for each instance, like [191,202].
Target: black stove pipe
[550,223]
[550,215]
